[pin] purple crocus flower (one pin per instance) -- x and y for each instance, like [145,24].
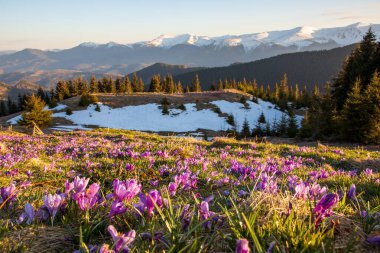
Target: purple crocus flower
[172,188]
[52,203]
[80,184]
[8,192]
[205,214]
[86,200]
[129,167]
[125,190]
[368,172]
[121,240]
[68,187]
[324,206]
[351,194]
[117,208]
[29,214]
[374,240]
[302,191]
[242,246]
[154,197]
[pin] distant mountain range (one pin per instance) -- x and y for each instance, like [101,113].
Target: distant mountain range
[304,68]
[187,49]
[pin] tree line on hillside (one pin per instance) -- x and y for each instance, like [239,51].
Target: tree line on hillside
[350,107]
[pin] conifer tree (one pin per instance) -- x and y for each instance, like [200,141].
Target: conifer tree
[140,86]
[262,119]
[353,121]
[82,85]
[196,85]
[105,83]
[93,85]
[169,84]
[372,110]
[110,88]
[220,85]
[282,126]
[306,129]
[36,113]
[62,90]
[179,87]
[119,86]
[292,127]
[128,85]
[155,84]
[360,64]
[135,82]
[245,132]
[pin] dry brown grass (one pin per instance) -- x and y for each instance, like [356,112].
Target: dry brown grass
[41,239]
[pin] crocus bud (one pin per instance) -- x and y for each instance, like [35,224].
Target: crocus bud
[242,246]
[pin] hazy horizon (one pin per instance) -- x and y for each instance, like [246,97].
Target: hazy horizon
[59,25]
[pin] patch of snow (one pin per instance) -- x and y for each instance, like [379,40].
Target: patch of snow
[69,128]
[89,44]
[252,113]
[299,36]
[14,121]
[57,108]
[149,117]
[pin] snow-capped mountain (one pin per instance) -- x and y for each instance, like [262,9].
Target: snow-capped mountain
[185,49]
[299,36]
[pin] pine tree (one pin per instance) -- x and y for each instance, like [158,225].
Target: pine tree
[140,86]
[62,90]
[101,88]
[165,109]
[196,85]
[262,119]
[41,93]
[128,85]
[292,127]
[104,87]
[220,85]
[257,131]
[179,87]
[297,96]
[306,129]
[82,85]
[135,82]
[283,95]
[360,64]
[36,113]
[110,88]
[282,126]
[169,84]
[155,84]
[352,114]
[93,85]
[372,111]
[246,131]
[119,86]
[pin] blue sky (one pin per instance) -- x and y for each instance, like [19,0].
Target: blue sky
[50,24]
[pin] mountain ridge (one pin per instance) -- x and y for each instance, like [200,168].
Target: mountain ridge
[190,50]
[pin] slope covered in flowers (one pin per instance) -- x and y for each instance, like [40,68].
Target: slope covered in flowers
[134,192]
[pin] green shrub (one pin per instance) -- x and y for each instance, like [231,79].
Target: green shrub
[87,99]
[69,111]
